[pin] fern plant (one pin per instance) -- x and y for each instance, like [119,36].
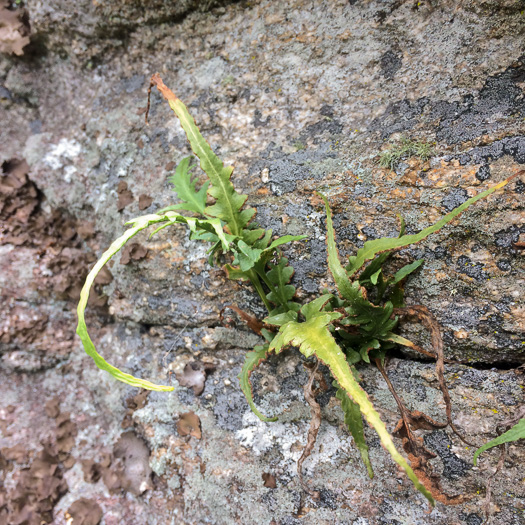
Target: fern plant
[340,330]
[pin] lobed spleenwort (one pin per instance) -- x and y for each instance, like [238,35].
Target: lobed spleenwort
[339,330]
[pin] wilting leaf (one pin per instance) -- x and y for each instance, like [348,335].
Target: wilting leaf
[138,224]
[189,424]
[269,480]
[209,225]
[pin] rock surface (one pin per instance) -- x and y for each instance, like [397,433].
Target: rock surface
[298,96]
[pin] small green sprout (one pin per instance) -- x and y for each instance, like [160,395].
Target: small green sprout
[392,157]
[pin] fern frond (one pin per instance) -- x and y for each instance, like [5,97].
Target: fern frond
[251,361]
[228,202]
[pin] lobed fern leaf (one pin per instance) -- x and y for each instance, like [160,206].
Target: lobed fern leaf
[354,423]
[515,433]
[376,246]
[282,293]
[252,360]
[228,202]
[346,288]
[313,337]
[192,199]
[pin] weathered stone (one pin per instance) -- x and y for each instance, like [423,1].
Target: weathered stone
[298,96]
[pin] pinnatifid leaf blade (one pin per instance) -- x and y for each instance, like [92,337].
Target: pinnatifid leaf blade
[515,433]
[281,292]
[342,282]
[314,308]
[138,224]
[228,202]
[407,270]
[251,361]
[303,335]
[354,422]
[327,350]
[192,199]
[314,337]
[376,246]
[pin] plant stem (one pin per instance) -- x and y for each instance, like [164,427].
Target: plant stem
[266,281]
[254,279]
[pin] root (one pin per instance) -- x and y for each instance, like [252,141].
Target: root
[422,313]
[315,423]
[253,323]
[417,453]
[488,495]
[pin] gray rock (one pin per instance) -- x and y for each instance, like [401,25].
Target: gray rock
[299,97]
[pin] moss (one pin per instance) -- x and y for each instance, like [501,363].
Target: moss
[406,148]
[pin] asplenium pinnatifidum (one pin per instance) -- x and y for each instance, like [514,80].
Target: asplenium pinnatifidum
[339,330]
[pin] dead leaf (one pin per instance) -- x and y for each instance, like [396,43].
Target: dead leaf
[85,512]
[92,470]
[52,407]
[18,454]
[144,201]
[38,489]
[194,376]
[52,235]
[269,480]
[134,403]
[125,196]
[133,251]
[104,277]
[65,433]
[14,29]
[189,424]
